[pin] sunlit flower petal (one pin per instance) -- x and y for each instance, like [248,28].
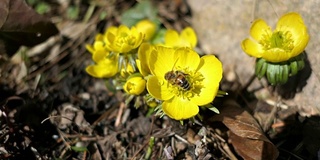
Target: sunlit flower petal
[179,108]
[293,22]
[158,90]
[187,38]
[185,56]
[171,38]
[252,48]
[259,28]
[161,64]
[147,27]
[190,36]
[211,69]
[143,58]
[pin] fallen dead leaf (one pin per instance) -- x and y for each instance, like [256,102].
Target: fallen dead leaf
[246,134]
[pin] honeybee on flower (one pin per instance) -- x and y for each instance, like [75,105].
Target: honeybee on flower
[195,81]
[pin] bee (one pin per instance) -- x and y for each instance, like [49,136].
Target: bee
[178,78]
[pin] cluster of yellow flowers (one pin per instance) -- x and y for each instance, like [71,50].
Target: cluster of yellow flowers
[169,75]
[173,77]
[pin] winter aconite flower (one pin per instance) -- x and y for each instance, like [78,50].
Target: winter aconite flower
[288,40]
[122,39]
[106,66]
[193,81]
[187,38]
[135,85]
[279,52]
[147,27]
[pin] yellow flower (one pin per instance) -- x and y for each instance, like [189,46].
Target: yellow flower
[187,38]
[105,66]
[135,85]
[288,40]
[147,27]
[196,84]
[98,45]
[122,39]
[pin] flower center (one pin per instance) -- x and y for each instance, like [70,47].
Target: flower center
[125,39]
[278,39]
[184,83]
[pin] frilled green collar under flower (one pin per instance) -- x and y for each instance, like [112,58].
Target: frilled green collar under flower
[288,40]
[203,75]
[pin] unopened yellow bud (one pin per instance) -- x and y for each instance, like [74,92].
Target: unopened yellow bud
[135,85]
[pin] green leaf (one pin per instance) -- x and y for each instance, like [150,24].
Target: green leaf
[73,12]
[215,110]
[211,107]
[159,37]
[42,8]
[142,10]
[79,149]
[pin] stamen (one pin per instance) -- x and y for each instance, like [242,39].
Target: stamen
[278,39]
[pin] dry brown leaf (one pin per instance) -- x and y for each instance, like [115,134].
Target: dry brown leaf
[246,134]
[21,25]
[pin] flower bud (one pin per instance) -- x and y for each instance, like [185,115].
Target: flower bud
[135,85]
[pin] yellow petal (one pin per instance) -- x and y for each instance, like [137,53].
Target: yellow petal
[147,27]
[98,45]
[123,29]
[111,29]
[99,55]
[276,55]
[110,34]
[99,37]
[143,56]
[300,45]
[293,23]
[252,48]
[211,69]
[190,36]
[124,48]
[259,28]
[171,38]
[101,71]
[158,89]
[138,63]
[179,109]
[161,61]
[90,48]
[186,57]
